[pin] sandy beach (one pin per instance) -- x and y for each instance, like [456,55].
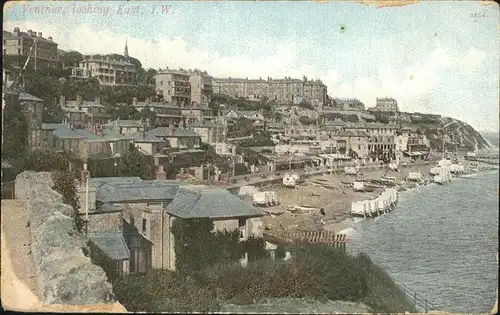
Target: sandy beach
[330,192]
[333,194]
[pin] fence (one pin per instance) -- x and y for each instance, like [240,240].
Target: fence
[320,237]
[418,301]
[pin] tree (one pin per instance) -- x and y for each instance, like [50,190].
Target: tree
[15,130]
[134,163]
[71,59]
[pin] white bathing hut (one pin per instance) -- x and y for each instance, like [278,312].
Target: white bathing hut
[385,202]
[358,209]
[290,180]
[358,186]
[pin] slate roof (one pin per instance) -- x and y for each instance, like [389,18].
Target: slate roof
[23,96]
[67,133]
[139,137]
[52,126]
[176,132]
[130,189]
[112,244]
[10,35]
[110,134]
[216,203]
[89,136]
[124,123]
[72,109]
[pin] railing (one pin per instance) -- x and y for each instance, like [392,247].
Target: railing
[418,301]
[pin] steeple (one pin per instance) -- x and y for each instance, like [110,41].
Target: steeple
[126,49]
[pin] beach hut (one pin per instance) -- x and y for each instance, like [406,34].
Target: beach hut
[373,207]
[358,186]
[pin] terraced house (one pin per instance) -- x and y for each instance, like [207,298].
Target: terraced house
[19,43]
[166,113]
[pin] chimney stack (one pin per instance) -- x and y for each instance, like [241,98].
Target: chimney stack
[62,101]
[134,101]
[160,174]
[40,35]
[30,32]
[16,31]
[79,100]
[85,173]
[170,130]
[50,38]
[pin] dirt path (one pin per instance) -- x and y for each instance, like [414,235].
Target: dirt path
[17,274]
[18,239]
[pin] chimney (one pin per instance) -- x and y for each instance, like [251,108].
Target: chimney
[40,35]
[62,101]
[16,31]
[97,100]
[160,174]
[134,101]
[30,32]
[170,130]
[50,38]
[85,173]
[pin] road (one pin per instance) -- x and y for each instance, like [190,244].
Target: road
[257,178]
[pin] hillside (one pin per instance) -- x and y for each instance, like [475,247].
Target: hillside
[456,133]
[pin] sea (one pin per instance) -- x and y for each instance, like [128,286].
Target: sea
[440,241]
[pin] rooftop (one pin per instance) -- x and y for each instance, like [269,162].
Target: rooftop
[28,97]
[210,203]
[112,244]
[176,132]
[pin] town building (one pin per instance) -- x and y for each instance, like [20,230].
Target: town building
[282,91]
[166,113]
[175,87]
[108,70]
[201,88]
[386,104]
[210,132]
[32,107]
[18,43]
[142,213]
[126,127]
[177,138]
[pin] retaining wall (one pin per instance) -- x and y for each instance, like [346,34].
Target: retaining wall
[64,274]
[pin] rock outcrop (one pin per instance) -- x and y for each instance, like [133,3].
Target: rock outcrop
[64,274]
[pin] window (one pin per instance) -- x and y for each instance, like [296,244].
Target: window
[242,223]
[144,223]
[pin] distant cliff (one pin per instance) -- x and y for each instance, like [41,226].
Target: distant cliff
[450,132]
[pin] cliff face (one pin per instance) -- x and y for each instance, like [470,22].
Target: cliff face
[452,132]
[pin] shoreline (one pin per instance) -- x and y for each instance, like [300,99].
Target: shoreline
[299,207]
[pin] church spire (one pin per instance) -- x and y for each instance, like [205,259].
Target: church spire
[126,49]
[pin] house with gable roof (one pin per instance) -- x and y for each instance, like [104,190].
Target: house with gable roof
[142,213]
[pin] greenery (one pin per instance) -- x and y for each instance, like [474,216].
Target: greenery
[304,120]
[14,129]
[306,105]
[320,272]
[58,163]
[131,164]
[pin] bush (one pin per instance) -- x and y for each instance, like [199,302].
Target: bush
[64,183]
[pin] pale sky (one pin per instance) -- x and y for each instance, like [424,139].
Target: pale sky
[432,56]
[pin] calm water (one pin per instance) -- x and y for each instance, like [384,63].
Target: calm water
[442,242]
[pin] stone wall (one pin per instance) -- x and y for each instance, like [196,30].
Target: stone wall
[64,274]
